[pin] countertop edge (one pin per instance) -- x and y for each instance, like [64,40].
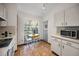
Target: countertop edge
[67,39]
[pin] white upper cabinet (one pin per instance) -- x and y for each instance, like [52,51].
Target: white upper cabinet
[72,16]
[68,17]
[11,11]
[3,15]
[59,18]
[2,11]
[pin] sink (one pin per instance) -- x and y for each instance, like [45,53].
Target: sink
[5,42]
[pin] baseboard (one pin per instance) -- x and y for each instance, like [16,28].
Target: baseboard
[15,50]
[46,41]
[29,43]
[55,53]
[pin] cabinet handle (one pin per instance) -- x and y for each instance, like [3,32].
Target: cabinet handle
[68,43]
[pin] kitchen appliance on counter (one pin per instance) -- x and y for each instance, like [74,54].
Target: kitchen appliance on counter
[6,34]
[70,33]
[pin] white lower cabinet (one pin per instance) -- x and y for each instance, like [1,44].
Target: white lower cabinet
[64,48]
[10,52]
[70,48]
[69,51]
[56,46]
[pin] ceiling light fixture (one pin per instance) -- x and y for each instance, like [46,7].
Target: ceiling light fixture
[44,6]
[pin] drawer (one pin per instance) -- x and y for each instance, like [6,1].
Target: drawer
[75,45]
[56,39]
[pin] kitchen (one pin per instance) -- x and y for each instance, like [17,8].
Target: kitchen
[55,23]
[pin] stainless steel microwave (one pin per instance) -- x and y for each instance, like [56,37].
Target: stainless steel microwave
[70,33]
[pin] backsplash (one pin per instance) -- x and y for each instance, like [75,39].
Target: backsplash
[67,28]
[10,29]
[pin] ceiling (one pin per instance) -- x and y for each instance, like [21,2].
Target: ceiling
[35,9]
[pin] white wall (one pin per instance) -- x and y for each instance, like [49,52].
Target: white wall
[20,30]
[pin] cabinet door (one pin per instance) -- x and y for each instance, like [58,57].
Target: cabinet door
[11,14]
[72,16]
[10,52]
[69,51]
[1,10]
[59,18]
[3,15]
[56,46]
[4,12]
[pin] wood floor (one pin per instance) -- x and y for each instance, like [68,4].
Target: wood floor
[35,49]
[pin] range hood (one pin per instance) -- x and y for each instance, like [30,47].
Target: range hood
[2,19]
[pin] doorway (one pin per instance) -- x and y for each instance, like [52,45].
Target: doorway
[45,30]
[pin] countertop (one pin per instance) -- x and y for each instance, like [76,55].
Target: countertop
[65,38]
